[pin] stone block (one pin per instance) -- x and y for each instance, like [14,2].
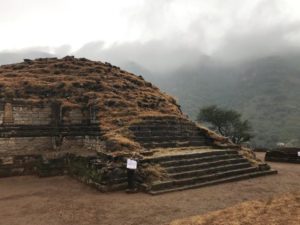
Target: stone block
[8,160]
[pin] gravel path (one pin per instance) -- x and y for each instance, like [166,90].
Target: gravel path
[63,201]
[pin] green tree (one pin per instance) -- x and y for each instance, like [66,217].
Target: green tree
[226,122]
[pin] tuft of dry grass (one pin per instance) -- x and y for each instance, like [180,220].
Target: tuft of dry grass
[218,139]
[250,155]
[116,141]
[153,172]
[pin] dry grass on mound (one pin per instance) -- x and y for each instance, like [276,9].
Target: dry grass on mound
[120,96]
[284,210]
[83,82]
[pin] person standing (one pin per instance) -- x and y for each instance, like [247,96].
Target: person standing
[131,167]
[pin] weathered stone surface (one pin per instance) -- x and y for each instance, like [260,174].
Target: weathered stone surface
[8,114]
[283,155]
[25,145]
[18,165]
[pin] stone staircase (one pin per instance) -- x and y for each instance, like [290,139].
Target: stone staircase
[202,168]
[168,132]
[187,155]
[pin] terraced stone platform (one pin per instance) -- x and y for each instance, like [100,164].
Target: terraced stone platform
[188,155]
[202,167]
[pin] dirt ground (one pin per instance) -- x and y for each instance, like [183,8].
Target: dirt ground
[30,200]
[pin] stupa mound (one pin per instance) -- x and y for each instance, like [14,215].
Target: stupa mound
[72,91]
[84,118]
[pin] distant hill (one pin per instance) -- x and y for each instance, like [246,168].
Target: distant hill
[265,91]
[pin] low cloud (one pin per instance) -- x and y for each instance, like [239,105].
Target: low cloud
[176,35]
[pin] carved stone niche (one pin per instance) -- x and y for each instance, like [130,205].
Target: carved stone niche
[8,114]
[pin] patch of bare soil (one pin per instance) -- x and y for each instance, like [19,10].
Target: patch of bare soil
[277,210]
[64,201]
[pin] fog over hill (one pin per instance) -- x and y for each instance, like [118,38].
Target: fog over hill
[265,91]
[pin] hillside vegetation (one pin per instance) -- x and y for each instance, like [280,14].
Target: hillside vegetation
[265,91]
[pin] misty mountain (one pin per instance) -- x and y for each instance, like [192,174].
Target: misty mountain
[265,91]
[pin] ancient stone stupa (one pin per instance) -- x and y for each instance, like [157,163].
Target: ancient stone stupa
[84,118]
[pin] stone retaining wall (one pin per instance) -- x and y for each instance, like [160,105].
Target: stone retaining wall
[21,145]
[28,115]
[96,171]
[18,113]
[27,145]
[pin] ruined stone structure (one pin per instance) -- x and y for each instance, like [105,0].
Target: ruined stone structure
[290,155]
[84,118]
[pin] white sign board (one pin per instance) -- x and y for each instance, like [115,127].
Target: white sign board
[131,164]
[299,154]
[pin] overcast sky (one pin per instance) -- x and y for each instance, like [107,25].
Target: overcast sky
[154,33]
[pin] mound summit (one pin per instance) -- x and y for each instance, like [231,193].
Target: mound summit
[115,97]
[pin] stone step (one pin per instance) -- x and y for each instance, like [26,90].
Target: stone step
[164,123]
[156,186]
[193,155]
[163,127]
[172,144]
[207,159]
[216,181]
[167,117]
[191,167]
[171,132]
[165,120]
[168,138]
[208,170]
